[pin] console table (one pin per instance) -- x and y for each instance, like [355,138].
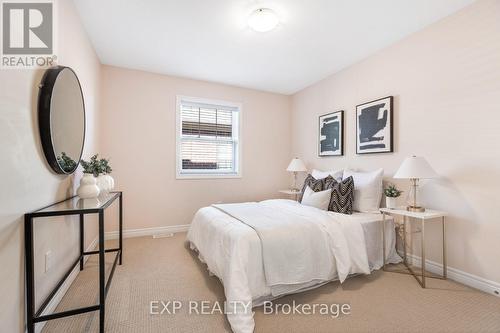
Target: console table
[72,206]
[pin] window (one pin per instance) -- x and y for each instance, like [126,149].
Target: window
[207,138]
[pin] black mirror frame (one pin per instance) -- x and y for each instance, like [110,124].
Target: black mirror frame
[44,103]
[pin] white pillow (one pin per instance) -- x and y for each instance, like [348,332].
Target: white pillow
[319,199]
[318,174]
[367,189]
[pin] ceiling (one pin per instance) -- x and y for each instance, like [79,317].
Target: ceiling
[210,40]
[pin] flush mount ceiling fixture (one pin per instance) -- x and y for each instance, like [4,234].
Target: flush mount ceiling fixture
[313,39]
[263,20]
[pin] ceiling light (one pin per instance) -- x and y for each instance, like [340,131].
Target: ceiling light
[263,19]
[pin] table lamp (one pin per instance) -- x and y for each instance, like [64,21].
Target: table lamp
[296,165]
[414,168]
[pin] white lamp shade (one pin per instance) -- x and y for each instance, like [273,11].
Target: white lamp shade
[296,165]
[415,167]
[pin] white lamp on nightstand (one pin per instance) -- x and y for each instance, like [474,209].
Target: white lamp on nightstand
[415,168]
[296,165]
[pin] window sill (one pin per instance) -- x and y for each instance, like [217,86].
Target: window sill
[208,176]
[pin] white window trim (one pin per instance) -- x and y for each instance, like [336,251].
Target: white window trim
[178,128]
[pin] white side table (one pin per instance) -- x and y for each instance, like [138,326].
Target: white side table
[424,218]
[291,193]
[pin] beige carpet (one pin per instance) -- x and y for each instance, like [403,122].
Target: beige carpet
[164,269]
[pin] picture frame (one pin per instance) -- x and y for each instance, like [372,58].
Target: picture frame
[374,126]
[331,134]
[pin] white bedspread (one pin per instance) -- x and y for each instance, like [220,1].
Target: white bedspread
[232,251]
[299,243]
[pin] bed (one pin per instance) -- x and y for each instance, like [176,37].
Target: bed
[245,247]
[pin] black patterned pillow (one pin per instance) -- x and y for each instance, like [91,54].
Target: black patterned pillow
[315,185]
[342,194]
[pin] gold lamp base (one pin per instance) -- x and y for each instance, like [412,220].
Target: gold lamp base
[415,209]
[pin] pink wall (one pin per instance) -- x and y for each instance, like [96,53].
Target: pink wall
[446,84]
[27,182]
[138,130]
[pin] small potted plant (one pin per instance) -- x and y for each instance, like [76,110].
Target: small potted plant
[105,182]
[391,195]
[88,184]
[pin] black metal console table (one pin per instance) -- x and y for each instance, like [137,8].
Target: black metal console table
[72,206]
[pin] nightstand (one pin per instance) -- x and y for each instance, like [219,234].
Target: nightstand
[424,218]
[291,193]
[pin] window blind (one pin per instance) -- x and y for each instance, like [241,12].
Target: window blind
[208,138]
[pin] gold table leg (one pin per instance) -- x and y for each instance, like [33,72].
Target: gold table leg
[421,278]
[405,261]
[444,249]
[423,253]
[383,241]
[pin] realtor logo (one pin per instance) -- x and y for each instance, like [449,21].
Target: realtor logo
[27,34]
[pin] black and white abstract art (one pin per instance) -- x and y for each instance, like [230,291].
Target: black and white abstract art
[374,126]
[331,134]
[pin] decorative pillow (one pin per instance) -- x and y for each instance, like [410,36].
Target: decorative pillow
[319,199]
[315,185]
[367,189]
[342,195]
[318,174]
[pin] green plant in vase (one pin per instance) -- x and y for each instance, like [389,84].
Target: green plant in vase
[88,184]
[391,195]
[105,182]
[92,166]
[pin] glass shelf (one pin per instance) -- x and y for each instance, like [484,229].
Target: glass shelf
[76,205]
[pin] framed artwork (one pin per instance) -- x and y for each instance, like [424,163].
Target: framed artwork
[374,126]
[331,134]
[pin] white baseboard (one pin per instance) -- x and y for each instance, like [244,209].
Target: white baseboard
[474,281]
[51,307]
[130,233]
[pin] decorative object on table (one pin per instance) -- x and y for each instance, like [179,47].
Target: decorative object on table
[104,181]
[88,187]
[88,184]
[374,126]
[295,166]
[101,170]
[61,119]
[331,134]
[342,197]
[415,168]
[88,203]
[391,195]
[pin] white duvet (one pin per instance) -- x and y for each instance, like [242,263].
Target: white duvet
[243,245]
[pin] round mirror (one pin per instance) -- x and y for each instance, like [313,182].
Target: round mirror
[61,117]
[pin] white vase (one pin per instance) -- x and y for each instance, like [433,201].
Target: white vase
[88,203]
[105,183]
[391,203]
[88,188]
